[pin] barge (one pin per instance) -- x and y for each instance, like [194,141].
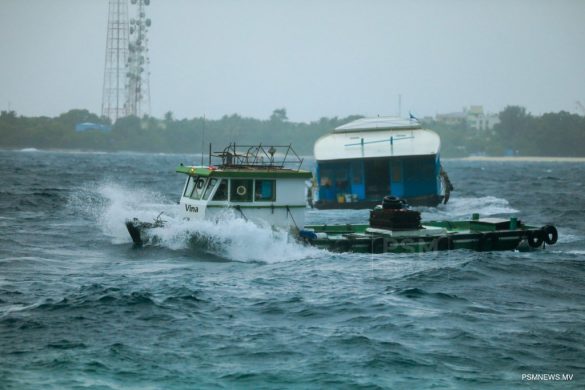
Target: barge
[398,229]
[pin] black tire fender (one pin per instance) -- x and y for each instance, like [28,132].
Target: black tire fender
[535,238]
[550,233]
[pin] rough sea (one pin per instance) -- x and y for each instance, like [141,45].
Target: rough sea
[80,308]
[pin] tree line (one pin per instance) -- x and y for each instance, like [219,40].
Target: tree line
[552,134]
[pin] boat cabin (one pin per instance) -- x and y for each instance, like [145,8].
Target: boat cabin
[258,183]
[361,162]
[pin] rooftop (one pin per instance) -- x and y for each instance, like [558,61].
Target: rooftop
[379,123]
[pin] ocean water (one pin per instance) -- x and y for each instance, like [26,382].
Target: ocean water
[240,306]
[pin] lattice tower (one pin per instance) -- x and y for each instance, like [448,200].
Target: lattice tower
[138,75]
[114,94]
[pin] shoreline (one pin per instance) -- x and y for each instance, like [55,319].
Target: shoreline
[520,159]
[469,158]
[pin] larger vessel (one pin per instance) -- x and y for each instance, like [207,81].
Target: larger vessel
[362,161]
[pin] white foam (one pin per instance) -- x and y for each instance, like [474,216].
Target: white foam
[122,204]
[230,236]
[576,252]
[459,208]
[109,204]
[233,238]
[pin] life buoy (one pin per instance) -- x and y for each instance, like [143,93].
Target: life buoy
[241,190]
[550,234]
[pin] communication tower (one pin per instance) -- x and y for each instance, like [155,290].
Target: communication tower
[138,75]
[126,88]
[114,91]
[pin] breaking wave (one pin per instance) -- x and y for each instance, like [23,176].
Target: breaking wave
[229,236]
[233,238]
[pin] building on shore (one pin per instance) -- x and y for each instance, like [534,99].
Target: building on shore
[473,116]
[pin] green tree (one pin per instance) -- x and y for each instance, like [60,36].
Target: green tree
[279,115]
[514,127]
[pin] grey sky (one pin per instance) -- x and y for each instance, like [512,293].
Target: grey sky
[316,58]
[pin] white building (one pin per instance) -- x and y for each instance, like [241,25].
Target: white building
[473,116]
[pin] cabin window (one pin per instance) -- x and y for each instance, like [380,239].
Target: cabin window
[190,185]
[222,190]
[209,189]
[199,187]
[264,190]
[241,190]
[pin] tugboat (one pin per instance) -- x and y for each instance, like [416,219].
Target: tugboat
[261,184]
[394,227]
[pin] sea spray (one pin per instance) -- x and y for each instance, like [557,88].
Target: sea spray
[110,204]
[230,236]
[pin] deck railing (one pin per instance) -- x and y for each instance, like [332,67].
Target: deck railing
[257,156]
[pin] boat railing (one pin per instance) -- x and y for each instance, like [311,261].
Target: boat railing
[258,156]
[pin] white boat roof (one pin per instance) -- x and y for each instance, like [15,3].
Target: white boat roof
[378,123]
[395,141]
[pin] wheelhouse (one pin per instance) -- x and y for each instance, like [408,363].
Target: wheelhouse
[255,183]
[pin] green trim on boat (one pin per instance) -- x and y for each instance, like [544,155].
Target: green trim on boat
[256,206]
[246,173]
[487,234]
[194,171]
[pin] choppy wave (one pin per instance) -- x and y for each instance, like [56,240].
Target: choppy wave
[80,307]
[464,207]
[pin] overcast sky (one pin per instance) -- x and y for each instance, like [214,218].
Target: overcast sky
[315,58]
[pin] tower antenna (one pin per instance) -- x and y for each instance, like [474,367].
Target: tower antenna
[138,83]
[114,88]
[126,89]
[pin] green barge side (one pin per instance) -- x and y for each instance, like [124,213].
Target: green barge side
[487,234]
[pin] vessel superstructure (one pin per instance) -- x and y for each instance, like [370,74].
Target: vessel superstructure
[262,184]
[362,161]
